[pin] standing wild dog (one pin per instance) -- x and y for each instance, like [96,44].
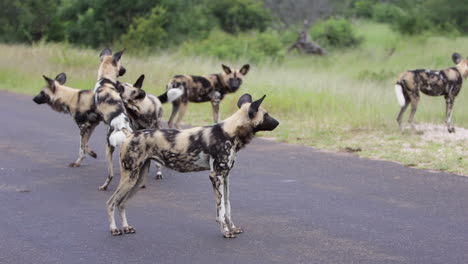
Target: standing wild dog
[211,148]
[144,111]
[78,103]
[446,82]
[188,88]
[110,106]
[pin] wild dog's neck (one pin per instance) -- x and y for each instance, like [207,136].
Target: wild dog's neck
[463,69]
[105,73]
[236,127]
[220,81]
[63,99]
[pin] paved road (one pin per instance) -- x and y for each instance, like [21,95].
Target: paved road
[297,205]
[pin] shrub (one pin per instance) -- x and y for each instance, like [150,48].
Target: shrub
[241,15]
[335,33]
[386,13]
[146,31]
[252,46]
[363,8]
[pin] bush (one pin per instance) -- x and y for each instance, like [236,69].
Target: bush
[241,15]
[411,23]
[335,33]
[386,13]
[252,46]
[147,31]
[363,8]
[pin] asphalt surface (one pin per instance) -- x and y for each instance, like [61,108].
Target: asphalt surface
[296,204]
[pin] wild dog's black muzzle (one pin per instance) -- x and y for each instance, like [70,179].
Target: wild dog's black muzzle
[268,124]
[41,98]
[122,71]
[234,84]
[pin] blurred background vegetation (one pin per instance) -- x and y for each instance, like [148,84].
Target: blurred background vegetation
[226,29]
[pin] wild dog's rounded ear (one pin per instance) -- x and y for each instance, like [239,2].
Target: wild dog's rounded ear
[456,57]
[253,109]
[139,83]
[61,78]
[246,98]
[105,52]
[226,69]
[50,83]
[116,57]
[245,69]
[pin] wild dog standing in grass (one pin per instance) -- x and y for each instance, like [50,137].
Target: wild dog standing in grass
[110,106]
[446,82]
[143,109]
[78,103]
[188,88]
[211,148]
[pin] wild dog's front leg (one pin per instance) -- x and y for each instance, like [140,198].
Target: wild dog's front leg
[449,100]
[215,101]
[109,151]
[217,180]
[232,227]
[159,175]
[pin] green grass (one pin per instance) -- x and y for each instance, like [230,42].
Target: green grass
[342,100]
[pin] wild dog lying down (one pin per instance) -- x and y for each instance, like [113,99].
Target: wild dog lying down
[78,103]
[211,148]
[109,104]
[447,82]
[144,111]
[188,88]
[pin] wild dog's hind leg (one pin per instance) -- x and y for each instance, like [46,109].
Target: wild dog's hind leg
[449,100]
[90,132]
[400,115]
[159,175]
[414,107]
[182,110]
[175,110]
[85,131]
[227,202]
[142,175]
[109,152]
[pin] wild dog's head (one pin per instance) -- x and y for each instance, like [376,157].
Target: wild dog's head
[250,118]
[233,78]
[110,67]
[462,64]
[47,94]
[133,92]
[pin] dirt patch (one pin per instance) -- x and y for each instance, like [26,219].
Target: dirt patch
[439,133]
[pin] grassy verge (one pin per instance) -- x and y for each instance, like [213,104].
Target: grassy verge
[342,100]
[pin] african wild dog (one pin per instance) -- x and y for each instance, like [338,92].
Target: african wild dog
[109,104]
[188,88]
[446,82]
[78,103]
[144,111]
[211,148]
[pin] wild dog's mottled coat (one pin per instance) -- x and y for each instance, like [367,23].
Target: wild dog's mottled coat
[211,148]
[447,82]
[109,104]
[199,89]
[144,111]
[78,103]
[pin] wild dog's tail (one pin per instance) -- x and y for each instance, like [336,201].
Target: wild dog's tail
[399,94]
[122,130]
[171,94]
[117,138]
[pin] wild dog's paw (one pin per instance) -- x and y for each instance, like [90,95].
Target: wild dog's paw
[116,232]
[229,234]
[129,230]
[237,230]
[74,165]
[103,187]
[451,130]
[143,187]
[159,176]
[92,154]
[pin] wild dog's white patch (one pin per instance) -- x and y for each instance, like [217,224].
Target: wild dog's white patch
[121,121]
[116,138]
[399,95]
[174,94]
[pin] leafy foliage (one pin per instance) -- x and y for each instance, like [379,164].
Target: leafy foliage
[335,33]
